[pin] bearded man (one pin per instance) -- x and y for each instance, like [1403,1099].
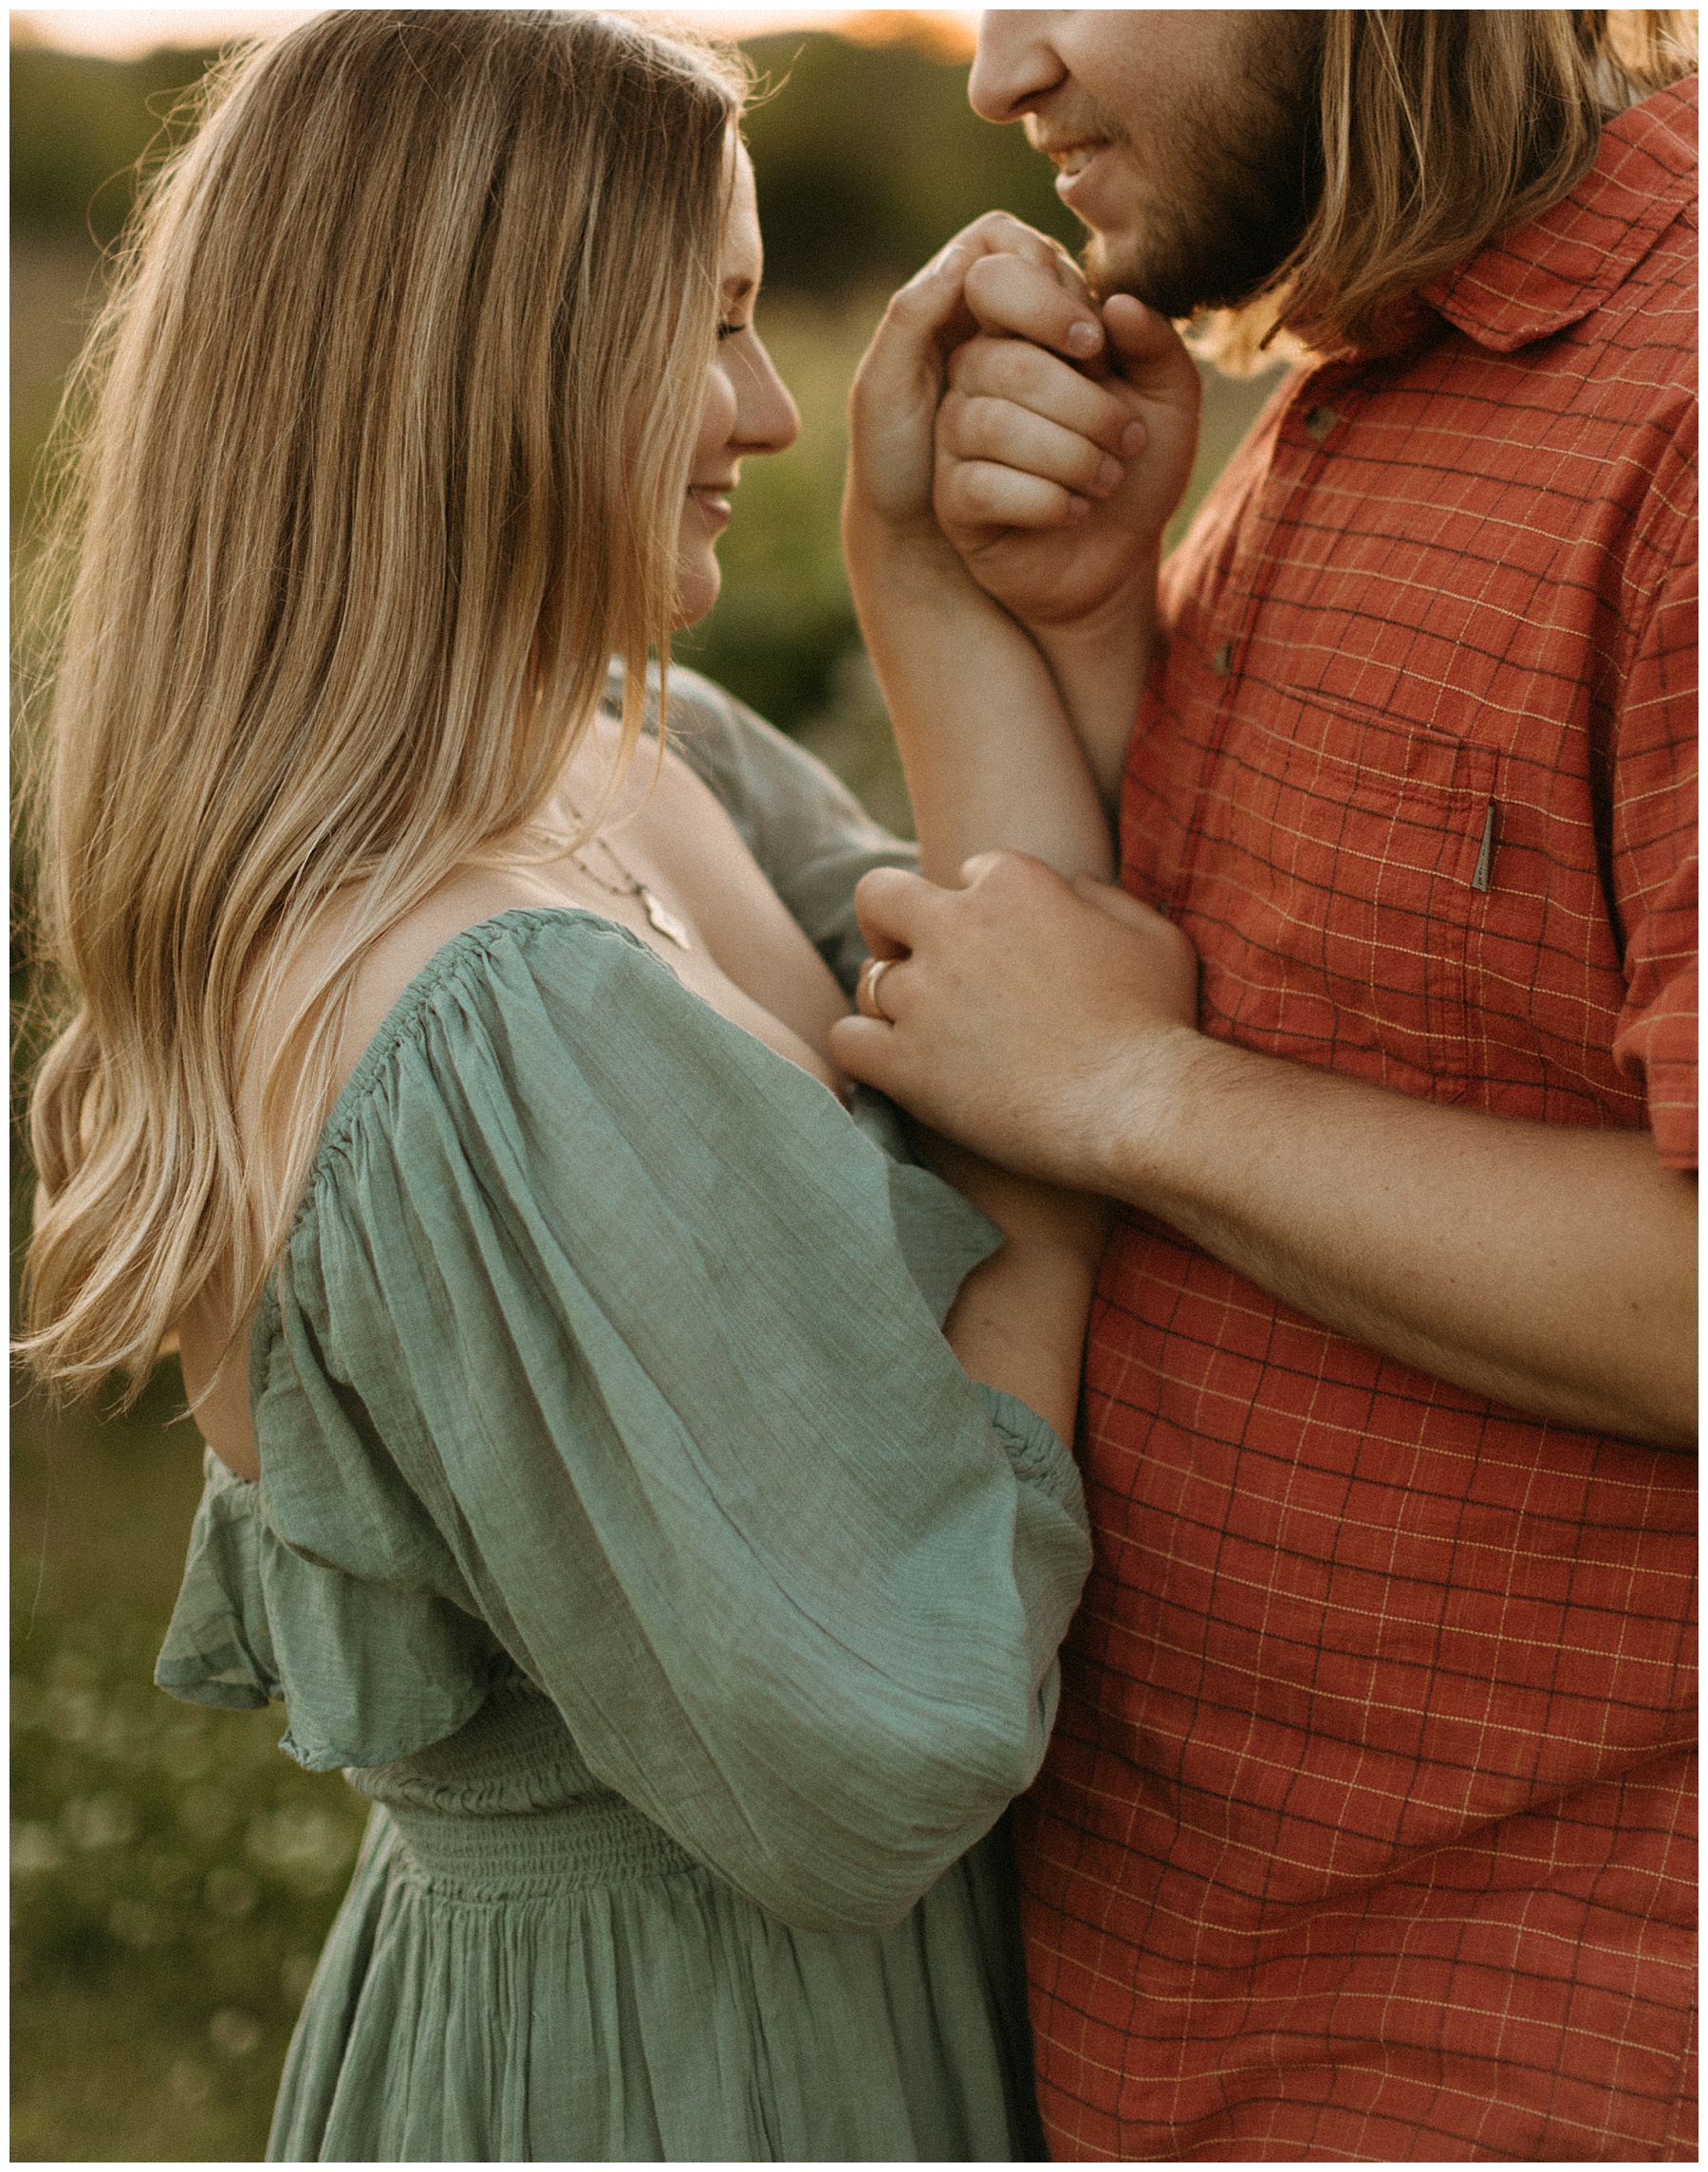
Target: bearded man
[1365,1831]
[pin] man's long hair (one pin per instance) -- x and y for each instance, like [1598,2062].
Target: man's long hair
[1438,129]
[377,457]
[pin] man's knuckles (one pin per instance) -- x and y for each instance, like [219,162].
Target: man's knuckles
[1029,377]
[996,885]
[1020,294]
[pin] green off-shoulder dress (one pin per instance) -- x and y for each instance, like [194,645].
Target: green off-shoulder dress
[628,1533]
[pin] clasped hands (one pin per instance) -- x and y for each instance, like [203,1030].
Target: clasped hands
[1006,436]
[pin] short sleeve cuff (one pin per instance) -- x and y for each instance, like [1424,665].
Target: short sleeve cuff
[1659,1045]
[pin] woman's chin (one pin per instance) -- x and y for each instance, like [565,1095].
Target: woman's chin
[697,592]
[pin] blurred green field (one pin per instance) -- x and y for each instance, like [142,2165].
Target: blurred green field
[174,1874]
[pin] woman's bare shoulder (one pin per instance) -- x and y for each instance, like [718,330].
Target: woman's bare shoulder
[465,898]
[210,1352]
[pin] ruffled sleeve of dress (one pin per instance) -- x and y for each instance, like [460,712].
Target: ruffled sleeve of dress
[606,1344]
[369,1672]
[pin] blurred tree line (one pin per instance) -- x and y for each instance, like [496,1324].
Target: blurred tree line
[868,155]
[871,157]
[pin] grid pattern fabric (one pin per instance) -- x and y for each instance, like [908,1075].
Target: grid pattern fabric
[1365,1829]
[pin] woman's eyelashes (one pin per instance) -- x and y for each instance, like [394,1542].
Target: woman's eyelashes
[729,331]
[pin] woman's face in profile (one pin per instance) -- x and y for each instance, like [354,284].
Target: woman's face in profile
[747,408]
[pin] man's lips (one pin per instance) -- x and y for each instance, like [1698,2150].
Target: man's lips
[1071,161]
[1072,157]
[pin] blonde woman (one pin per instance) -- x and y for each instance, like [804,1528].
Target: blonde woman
[588,1472]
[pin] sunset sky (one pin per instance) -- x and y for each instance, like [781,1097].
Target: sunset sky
[125,32]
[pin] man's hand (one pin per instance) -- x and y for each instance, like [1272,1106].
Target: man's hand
[1051,1025]
[904,373]
[1036,1020]
[1057,471]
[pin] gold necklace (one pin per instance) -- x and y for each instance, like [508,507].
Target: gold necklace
[656,911]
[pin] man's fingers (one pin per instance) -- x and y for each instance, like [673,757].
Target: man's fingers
[1000,233]
[929,320]
[997,430]
[1017,295]
[1149,353]
[1011,369]
[935,296]
[893,907]
[983,493]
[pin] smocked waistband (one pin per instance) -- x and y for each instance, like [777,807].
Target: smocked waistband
[597,1841]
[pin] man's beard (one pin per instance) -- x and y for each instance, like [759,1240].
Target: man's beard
[1249,173]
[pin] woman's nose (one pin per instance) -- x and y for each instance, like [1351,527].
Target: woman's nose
[767,418]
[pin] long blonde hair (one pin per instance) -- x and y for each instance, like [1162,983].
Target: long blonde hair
[1438,129]
[388,423]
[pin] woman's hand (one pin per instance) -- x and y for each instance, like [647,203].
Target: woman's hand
[1057,469]
[904,374]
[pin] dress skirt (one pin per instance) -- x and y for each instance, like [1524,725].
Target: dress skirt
[566,1983]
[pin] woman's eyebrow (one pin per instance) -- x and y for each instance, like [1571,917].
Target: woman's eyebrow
[738,287]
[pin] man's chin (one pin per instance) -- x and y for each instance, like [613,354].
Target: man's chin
[1172,291]
[1111,269]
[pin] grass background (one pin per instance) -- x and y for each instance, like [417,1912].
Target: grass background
[174,1874]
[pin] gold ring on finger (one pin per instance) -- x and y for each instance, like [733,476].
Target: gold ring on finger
[873,971]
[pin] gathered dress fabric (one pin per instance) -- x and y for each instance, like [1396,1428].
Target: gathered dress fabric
[629,1533]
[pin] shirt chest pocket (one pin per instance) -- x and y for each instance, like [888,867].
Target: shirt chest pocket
[1341,858]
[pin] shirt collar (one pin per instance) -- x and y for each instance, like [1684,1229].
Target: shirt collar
[1554,269]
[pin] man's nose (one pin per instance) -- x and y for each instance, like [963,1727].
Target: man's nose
[1015,62]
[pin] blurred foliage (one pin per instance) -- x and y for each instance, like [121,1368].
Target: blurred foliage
[869,157]
[78,126]
[173,1873]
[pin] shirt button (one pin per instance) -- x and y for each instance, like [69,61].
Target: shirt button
[1221,659]
[1319,423]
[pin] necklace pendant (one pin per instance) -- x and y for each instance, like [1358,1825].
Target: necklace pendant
[665,919]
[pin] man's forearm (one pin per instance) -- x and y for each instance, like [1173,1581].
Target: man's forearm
[1550,1267]
[1053,1029]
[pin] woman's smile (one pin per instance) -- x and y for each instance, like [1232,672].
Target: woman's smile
[713,501]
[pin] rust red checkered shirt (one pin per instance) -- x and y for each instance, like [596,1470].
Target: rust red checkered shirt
[1364,1832]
